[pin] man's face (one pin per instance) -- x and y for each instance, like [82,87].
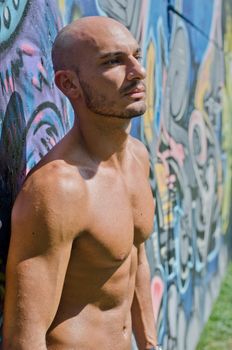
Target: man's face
[111,76]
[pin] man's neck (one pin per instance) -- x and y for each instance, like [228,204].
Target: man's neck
[105,138]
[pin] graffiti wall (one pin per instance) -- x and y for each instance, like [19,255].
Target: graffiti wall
[32,113]
[187,52]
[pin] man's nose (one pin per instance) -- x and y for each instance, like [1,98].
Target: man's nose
[136,70]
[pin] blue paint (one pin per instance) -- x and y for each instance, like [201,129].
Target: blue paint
[42,130]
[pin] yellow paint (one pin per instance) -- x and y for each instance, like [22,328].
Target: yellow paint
[163,190]
[167,206]
[168,220]
[150,82]
[61,4]
[204,81]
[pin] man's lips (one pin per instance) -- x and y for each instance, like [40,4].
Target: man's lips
[136,90]
[134,87]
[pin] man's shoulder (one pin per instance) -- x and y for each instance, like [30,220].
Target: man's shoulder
[55,173]
[138,146]
[52,196]
[51,183]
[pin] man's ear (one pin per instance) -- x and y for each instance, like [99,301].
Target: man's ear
[67,81]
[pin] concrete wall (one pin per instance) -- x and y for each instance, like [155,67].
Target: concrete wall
[187,50]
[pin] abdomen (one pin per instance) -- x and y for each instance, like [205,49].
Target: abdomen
[94,311]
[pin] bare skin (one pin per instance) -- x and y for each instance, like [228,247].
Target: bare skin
[77,272]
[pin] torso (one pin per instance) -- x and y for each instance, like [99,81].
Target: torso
[94,311]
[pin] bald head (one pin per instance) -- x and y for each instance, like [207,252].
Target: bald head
[73,40]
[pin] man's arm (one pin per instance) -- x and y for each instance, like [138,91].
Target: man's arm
[37,262]
[143,322]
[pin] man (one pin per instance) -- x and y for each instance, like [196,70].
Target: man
[77,273]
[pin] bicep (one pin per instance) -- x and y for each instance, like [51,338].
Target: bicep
[36,266]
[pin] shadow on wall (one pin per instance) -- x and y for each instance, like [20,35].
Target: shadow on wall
[12,172]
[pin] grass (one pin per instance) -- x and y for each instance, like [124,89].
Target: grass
[217,333]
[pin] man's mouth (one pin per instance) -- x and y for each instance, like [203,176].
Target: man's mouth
[137,90]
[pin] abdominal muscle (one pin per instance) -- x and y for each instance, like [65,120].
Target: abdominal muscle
[94,311]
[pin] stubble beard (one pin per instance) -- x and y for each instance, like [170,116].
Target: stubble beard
[98,104]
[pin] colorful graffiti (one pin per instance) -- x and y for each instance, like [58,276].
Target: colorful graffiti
[186,128]
[188,172]
[33,115]
[226,114]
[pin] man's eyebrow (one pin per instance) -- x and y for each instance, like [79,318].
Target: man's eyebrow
[117,53]
[111,54]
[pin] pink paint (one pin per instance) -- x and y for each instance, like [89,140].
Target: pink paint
[52,142]
[38,118]
[35,82]
[27,170]
[11,83]
[142,20]
[59,23]
[176,150]
[28,49]
[42,70]
[172,178]
[157,291]
[6,85]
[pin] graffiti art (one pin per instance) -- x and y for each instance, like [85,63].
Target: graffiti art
[186,129]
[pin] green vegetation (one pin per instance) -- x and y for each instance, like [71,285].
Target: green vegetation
[217,333]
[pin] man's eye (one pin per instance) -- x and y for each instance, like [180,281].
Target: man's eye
[112,61]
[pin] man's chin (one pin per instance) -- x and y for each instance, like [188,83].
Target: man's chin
[136,110]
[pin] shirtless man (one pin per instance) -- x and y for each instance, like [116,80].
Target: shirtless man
[77,273]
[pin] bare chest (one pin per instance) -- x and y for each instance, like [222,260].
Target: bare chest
[120,215]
